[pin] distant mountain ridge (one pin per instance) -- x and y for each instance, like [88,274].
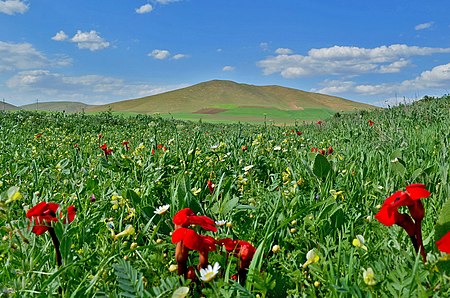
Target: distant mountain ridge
[221,94]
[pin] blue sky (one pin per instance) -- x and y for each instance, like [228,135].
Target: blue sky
[103,51]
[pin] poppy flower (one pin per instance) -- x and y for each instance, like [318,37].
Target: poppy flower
[104,147]
[210,186]
[299,133]
[443,244]
[314,149]
[389,214]
[44,213]
[370,122]
[193,241]
[330,150]
[159,146]
[186,217]
[126,144]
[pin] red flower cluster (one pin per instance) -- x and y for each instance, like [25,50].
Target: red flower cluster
[107,151]
[187,239]
[44,213]
[389,214]
[241,249]
[322,151]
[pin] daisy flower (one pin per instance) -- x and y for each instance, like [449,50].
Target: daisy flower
[162,209]
[209,273]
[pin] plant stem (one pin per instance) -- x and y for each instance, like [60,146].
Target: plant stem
[56,244]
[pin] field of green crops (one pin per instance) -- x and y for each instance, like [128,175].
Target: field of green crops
[300,201]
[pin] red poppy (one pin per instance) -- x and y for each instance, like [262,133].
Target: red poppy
[186,217]
[194,241]
[321,151]
[242,249]
[210,186]
[159,146]
[443,244]
[44,213]
[126,144]
[417,191]
[314,149]
[153,151]
[104,147]
[371,123]
[330,150]
[319,122]
[299,133]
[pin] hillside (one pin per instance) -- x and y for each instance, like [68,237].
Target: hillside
[235,101]
[67,106]
[4,106]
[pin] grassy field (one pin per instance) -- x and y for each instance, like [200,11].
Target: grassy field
[284,211]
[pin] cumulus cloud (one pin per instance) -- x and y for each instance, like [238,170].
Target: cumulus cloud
[87,88]
[283,51]
[436,78]
[12,7]
[179,56]
[146,8]
[89,40]
[228,68]
[19,56]
[424,26]
[60,36]
[344,60]
[159,54]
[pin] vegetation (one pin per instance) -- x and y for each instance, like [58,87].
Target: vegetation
[304,196]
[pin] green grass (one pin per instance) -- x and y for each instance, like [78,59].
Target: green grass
[275,191]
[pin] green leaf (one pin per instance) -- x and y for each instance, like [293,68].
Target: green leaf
[321,166]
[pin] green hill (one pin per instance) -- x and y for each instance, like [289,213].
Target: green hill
[219,100]
[4,106]
[67,106]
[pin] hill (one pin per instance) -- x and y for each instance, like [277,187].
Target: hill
[230,101]
[67,106]
[4,106]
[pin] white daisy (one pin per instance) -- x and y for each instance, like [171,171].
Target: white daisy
[162,209]
[209,273]
[221,222]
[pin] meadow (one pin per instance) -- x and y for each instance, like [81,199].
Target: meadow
[297,204]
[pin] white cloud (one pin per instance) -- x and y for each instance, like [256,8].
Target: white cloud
[344,60]
[424,26]
[264,46]
[146,8]
[17,56]
[86,88]
[228,68]
[11,7]
[283,51]
[159,54]
[60,36]
[179,56]
[90,40]
[436,78]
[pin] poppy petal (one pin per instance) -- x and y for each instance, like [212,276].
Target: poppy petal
[204,221]
[39,230]
[181,217]
[178,235]
[417,191]
[36,210]
[443,244]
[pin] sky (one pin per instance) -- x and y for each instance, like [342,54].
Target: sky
[379,52]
